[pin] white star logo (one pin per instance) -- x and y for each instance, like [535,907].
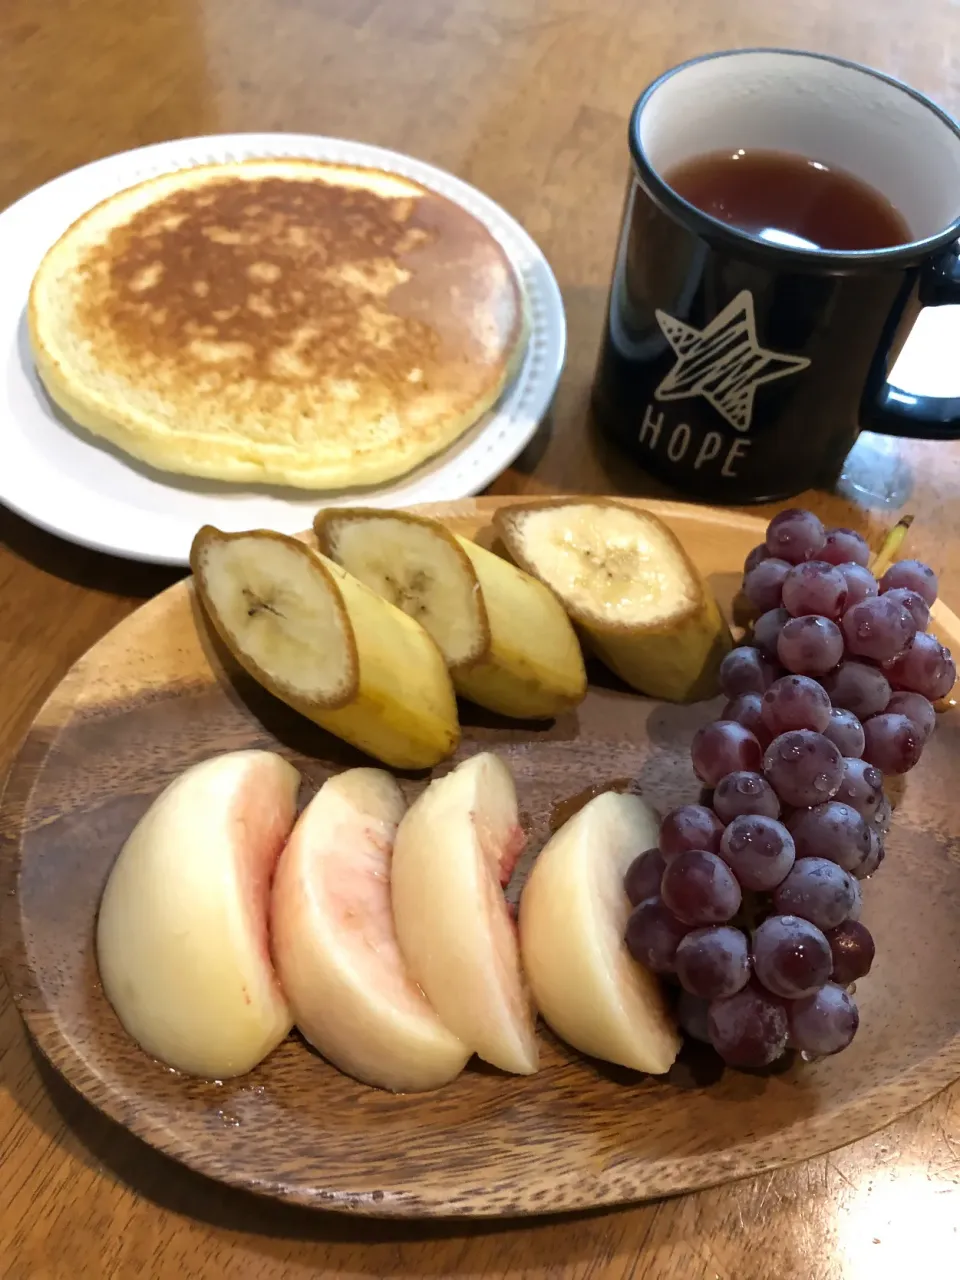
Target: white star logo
[724,363]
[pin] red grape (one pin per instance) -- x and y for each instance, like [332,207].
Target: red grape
[643,876]
[873,859]
[759,851]
[748,1029]
[754,558]
[746,711]
[804,768]
[860,583]
[880,822]
[767,628]
[653,935]
[833,830]
[893,743]
[843,545]
[744,792]
[713,962]
[853,950]
[817,890]
[947,678]
[914,575]
[699,888]
[916,708]
[723,747]
[861,787]
[692,1016]
[745,670]
[795,702]
[859,688]
[791,957]
[914,604]
[825,1022]
[857,903]
[877,628]
[795,535]
[692,826]
[763,584]
[845,732]
[926,668]
[815,587]
[810,645]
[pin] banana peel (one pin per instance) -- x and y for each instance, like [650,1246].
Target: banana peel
[327,646]
[533,667]
[507,640]
[627,583]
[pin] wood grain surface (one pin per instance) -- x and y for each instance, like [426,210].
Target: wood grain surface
[158,694]
[528,99]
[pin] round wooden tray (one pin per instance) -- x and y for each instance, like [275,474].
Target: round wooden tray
[155,696]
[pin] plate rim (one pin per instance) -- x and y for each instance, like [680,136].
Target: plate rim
[872,1109]
[493,443]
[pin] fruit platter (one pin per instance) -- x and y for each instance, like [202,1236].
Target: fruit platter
[501,857]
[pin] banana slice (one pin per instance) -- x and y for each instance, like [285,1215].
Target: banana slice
[625,579]
[326,645]
[506,639]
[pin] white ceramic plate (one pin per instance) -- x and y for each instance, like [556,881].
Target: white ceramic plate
[63,479]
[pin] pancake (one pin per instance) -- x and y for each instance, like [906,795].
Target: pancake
[282,322]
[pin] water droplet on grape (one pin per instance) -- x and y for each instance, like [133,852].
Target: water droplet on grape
[822,782]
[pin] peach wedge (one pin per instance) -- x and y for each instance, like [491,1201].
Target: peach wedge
[335,944]
[182,934]
[455,850]
[573,913]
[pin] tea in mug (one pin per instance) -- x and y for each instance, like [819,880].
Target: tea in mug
[790,200]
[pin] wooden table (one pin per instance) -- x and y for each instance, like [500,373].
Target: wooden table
[527,99]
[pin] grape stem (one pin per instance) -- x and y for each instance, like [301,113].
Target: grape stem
[891,546]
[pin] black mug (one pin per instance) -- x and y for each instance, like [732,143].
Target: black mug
[740,370]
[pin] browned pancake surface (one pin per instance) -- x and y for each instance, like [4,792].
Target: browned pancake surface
[294,278]
[334,313]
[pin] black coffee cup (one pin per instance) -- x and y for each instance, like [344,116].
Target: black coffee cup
[741,370]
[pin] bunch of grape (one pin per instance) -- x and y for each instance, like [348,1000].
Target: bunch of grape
[752,900]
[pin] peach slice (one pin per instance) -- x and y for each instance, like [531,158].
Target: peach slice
[336,947]
[182,939]
[573,913]
[455,850]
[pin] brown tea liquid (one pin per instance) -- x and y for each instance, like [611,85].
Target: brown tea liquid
[789,199]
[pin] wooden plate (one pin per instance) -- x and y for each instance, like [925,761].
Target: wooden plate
[153,697]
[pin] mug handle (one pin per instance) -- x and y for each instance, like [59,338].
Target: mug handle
[894,412]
